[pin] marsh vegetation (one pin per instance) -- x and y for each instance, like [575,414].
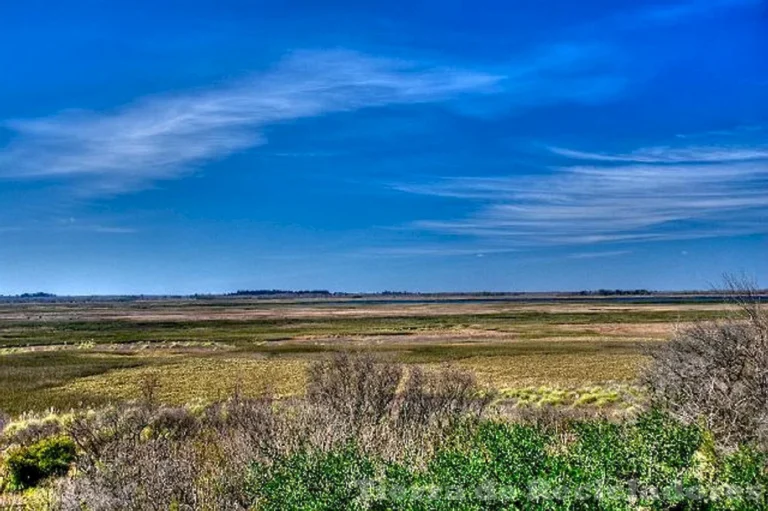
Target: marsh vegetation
[524,406]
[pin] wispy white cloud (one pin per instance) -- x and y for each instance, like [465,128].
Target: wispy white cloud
[165,137]
[686,194]
[598,255]
[441,250]
[68,225]
[667,154]
[107,229]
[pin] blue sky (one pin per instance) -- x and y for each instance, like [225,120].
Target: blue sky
[200,146]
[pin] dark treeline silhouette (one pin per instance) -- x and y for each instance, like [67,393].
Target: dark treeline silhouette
[279,292]
[616,292]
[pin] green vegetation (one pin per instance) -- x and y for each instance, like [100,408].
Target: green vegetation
[36,381]
[653,463]
[26,466]
[370,434]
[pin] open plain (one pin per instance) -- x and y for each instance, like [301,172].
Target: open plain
[63,354]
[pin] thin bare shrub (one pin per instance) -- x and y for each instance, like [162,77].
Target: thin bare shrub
[97,433]
[149,384]
[158,474]
[259,428]
[440,397]
[384,407]
[717,372]
[357,388]
[135,457]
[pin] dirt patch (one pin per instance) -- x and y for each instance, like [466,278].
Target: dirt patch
[634,330]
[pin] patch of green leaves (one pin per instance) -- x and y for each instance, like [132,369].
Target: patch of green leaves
[26,466]
[652,463]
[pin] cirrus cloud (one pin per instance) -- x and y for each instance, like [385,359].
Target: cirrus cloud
[164,137]
[645,195]
[167,136]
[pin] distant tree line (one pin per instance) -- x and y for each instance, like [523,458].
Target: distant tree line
[31,295]
[616,292]
[279,292]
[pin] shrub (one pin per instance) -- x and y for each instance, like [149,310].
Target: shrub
[495,469]
[440,398]
[154,457]
[655,452]
[662,448]
[216,460]
[410,440]
[358,388]
[32,427]
[318,481]
[385,409]
[647,464]
[718,373]
[158,474]
[150,456]
[27,466]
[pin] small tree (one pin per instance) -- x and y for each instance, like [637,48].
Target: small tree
[718,371]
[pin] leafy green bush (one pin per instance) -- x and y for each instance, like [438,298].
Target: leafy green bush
[27,466]
[315,481]
[744,480]
[500,461]
[653,463]
[648,463]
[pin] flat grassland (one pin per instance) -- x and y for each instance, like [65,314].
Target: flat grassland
[82,353]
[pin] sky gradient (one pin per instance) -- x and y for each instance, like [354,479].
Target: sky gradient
[181,147]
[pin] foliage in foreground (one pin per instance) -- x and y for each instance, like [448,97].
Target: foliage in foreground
[655,463]
[373,435]
[28,465]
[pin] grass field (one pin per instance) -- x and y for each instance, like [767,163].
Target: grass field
[64,355]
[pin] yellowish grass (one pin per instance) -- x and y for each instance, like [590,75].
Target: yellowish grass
[194,379]
[615,395]
[205,378]
[553,369]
